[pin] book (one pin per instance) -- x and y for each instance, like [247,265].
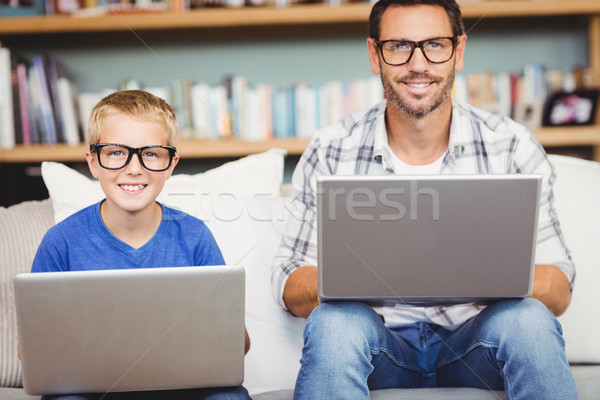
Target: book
[86,102]
[180,106]
[16,102]
[34,108]
[7,126]
[281,113]
[52,75]
[306,111]
[186,93]
[24,101]
[66,97]
[202,114]
[218,105]
[43,97]
[265,94]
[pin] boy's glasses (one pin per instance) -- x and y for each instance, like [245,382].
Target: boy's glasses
[116,156]
[398,52]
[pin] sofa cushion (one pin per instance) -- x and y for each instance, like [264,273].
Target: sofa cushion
[250,236]
[577,194]
[586,380]
[22,227]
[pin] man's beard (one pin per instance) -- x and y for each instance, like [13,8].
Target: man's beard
[406,105]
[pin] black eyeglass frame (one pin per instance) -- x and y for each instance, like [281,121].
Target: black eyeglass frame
[414,45]
[98,148]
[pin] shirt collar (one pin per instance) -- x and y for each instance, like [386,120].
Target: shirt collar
[381,147]
[382,151]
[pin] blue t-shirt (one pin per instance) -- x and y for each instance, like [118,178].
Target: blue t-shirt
[83,242]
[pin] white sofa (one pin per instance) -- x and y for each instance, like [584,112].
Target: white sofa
[241,204]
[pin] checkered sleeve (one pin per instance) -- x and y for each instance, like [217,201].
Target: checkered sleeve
[551,247]
[298,246]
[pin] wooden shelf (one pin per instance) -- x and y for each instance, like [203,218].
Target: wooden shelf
[187,149]
[194,149]
[309,14]
[569,136]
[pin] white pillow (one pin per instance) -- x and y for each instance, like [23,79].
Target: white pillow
[257,174]
[249,236]
[577,195]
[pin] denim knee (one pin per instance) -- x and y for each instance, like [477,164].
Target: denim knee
[523,317]
[523,324]
[341,319]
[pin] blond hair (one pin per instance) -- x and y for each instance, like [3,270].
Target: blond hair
[137,104]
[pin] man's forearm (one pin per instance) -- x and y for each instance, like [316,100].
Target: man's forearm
[551,287]
[300,292]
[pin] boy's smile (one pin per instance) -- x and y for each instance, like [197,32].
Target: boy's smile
[133,188]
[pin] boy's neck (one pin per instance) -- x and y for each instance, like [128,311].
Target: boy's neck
[135,229]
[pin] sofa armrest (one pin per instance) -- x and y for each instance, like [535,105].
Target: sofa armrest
[22,227]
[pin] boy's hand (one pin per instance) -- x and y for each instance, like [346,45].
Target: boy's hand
[246,341]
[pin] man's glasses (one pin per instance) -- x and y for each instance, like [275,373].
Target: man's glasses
[398,52]
[116,156]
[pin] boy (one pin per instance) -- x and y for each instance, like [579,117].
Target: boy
[132,153]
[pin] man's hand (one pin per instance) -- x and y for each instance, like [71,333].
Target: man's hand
[300,292]
[551,287]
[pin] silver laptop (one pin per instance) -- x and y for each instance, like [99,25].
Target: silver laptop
[131,329]
[427,239]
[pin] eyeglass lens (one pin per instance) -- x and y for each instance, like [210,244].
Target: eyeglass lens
[435,50]
[152,158]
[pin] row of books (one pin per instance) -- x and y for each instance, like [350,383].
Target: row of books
[256,112]
[95,7]
[37,102]
[40,104]
[262,111]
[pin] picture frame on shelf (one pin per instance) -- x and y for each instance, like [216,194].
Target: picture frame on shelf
[529,113]
[571,108]
[22,8]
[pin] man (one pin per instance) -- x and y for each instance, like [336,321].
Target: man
[515,345]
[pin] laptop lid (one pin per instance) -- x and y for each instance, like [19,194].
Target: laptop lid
[131,329]
[427,238]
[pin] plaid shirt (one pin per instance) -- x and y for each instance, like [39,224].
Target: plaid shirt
[480,143]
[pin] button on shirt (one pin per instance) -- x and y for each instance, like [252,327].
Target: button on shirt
[480,143]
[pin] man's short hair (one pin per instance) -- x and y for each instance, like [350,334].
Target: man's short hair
[450,6]
[136,104]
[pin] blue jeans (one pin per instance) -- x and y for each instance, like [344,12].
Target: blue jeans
[230,393]
[515,345]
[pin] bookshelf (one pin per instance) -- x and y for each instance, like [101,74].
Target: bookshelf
[188,149]
[299,15]
[226,148]
[309,19]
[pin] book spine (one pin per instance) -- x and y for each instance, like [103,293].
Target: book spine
[7,126]
[202,113]
[52,76]
[14,84]
[67,107]
[45,103]
[25,103]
